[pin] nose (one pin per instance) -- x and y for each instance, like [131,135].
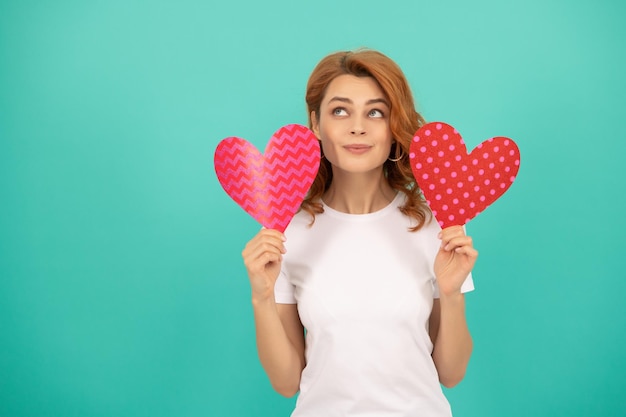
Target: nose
[357,128]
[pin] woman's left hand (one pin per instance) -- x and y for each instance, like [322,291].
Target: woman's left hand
[455,259]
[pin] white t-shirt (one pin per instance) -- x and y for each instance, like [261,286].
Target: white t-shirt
[364,285]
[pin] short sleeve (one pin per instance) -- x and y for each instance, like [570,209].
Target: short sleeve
[284,290]
[468,285]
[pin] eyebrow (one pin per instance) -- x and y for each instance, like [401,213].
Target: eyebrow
[368,102]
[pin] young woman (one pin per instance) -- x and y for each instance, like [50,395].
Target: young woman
[363,267]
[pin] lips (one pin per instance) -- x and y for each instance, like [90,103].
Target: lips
[357,148]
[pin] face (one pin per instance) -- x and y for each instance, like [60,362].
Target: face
[353,124]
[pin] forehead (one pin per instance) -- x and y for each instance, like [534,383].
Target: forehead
[354,88]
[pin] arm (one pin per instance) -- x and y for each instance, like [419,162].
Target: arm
[451,338]
[280,344]
[448,326]
[279,332]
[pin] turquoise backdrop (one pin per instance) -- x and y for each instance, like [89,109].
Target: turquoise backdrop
[122,291]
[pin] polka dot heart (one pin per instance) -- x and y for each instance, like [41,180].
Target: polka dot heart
[457,185]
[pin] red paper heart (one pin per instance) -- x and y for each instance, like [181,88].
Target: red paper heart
[458,186]
[269,187]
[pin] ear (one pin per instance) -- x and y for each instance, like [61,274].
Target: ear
[315,124]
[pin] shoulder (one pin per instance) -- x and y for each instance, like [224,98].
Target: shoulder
[300,222]
[430,228]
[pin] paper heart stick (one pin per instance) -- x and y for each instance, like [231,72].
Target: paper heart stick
[458,186]
[272,186]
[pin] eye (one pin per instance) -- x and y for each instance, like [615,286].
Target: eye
[375,113]
[339,111]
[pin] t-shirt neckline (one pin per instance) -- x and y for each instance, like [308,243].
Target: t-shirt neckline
[366,216]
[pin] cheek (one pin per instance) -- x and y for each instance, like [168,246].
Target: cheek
[330,132]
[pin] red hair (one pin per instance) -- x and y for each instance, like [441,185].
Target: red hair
[404,121]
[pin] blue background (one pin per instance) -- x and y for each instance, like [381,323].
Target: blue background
[122,290]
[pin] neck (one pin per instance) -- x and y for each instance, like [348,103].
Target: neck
[359,193]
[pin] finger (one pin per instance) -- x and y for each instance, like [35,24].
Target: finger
[450,232]
[258,250]
[446,235]
[257,260]
[456,242]
[467,251]
[266,234]
[262,239]
[272,232]
[269,257]
[272,237]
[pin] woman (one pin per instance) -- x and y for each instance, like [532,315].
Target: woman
[377,285]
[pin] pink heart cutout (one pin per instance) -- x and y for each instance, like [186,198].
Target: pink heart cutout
[457,185]
[272,186]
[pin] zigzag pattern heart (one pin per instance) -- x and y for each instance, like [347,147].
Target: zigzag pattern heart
[272,186]
[458,186]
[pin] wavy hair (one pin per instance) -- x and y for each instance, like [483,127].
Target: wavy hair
[404,121]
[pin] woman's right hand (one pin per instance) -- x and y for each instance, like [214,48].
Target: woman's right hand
[262,258]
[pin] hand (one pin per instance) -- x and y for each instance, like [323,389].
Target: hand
[262,258]
[455,260]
